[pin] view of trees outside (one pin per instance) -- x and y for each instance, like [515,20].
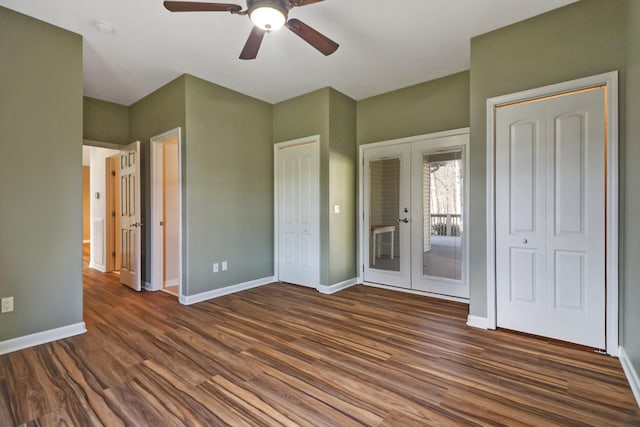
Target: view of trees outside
[446,193]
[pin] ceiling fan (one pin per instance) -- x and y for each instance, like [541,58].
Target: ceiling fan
[267,16]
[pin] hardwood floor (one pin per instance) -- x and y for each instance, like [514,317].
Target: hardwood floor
[287,355]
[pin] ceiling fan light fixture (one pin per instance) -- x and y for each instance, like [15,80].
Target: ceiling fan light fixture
[268,15]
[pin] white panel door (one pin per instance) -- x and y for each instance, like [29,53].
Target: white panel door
[298,215]
[387,216]
[576,218]
[550,217]
[130,223]
[520,218]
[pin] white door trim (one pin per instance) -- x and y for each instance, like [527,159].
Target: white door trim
[361,171]
[156,209]
[314,139]
[610,80]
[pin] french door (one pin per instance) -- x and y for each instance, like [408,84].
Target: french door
[414,202]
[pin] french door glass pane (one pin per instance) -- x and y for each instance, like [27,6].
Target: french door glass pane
[384,248]
[442,199]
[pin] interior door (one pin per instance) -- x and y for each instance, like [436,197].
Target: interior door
[438,237]
[387,216]
[298,214]
[550,217]
[130,219]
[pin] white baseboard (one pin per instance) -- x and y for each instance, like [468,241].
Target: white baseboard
[477,322]
[416,292]
[100,268]
[43,337]
[171,282]
[631,373]
[336,287]
[193,299]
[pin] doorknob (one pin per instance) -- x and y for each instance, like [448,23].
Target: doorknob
[405,220]
[525,241]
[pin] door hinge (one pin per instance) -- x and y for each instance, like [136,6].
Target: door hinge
[113,173]
[113,214]
[113,254]
[363,268]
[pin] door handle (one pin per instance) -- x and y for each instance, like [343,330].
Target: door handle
[405,220]
[525,241]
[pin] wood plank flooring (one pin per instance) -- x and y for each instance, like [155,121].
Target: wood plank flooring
[287,355]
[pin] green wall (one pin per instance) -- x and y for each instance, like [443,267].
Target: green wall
[105,121]
[433,106]
[332,115]
[40,175]
[578,40]
[303,116]
[630,155]
[229,186]
[158,112]
[343,172]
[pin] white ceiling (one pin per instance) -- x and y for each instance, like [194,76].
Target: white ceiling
[384,45]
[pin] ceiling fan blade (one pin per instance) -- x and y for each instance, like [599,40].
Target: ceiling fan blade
[253,43]
[304,2]
[192,6]
[321,42]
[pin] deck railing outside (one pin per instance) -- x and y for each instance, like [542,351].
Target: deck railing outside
[446,224]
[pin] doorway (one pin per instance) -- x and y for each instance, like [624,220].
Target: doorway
[166,213]
[552,212]
[414,210]
[99,203]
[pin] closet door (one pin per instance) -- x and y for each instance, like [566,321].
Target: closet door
[520,218]
[550,217]
[576,218]
[298,214]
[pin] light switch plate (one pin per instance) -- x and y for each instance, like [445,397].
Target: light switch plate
[224,265]
[7,305]
[216,267]
[336,209]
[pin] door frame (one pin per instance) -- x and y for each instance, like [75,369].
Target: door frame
[610,82]
[361,201]
[156,185]
[314,139]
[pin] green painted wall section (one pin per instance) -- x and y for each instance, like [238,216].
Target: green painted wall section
[158,112]
[105,121]
[433,106]
[630,155]
[40,175]
[343,171]
[303,116]
[229,186]
[578,40]
[332,115]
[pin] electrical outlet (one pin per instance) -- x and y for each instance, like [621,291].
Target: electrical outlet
[224,265]
[7,305]
[216,267]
